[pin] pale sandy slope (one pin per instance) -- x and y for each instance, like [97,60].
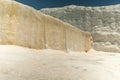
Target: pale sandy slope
[18,63]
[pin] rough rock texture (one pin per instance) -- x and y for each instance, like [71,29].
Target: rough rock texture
[20,25]
[103,22]
[25,26]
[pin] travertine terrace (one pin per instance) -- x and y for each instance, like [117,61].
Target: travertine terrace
[24,26]
[103,22]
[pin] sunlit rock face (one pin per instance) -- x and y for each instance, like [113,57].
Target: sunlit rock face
[24,26]
[103,22]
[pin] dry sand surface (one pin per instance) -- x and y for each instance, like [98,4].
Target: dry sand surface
[18,63]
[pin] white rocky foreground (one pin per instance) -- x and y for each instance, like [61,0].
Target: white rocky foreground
[18,63]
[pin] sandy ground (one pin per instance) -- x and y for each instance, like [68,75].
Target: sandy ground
[18,63]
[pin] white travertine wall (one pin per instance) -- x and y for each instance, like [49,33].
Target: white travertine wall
[77,40]
[74,38]
[55,34]
[20,25]
[24,26]
[103,22]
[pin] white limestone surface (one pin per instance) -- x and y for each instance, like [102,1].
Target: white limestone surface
[24,26]
[18,63]
[103,22]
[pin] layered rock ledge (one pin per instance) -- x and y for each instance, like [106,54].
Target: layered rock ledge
[24,26]
[103,22]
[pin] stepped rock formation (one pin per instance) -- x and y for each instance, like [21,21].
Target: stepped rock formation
[25,26]
[103,22]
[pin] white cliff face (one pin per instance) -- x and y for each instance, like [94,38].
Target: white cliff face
[103,22]
[24,26]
